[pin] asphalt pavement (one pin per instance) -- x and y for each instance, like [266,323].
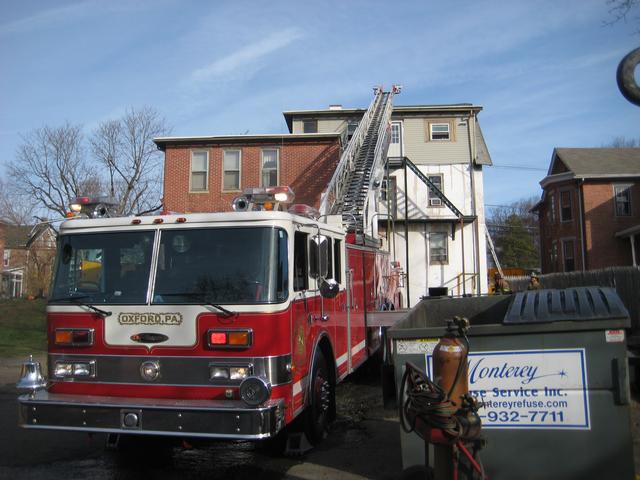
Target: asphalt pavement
[363,443]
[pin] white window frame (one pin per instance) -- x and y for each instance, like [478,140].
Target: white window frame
[205,171]
[438,124]
[7,258]
[239,170]
[397,126]
[262,169]
[446,249]
[623,187]
[432,199]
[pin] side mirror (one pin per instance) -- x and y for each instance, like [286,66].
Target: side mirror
[329,288]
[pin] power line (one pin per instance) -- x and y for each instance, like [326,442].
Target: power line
[520,167]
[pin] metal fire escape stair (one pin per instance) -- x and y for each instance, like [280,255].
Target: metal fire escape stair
[361,165]
[434,189]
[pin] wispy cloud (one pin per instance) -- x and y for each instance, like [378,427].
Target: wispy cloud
[246,55]
[48,17]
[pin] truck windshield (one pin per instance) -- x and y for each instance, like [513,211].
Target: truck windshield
[103,267]
[222,266]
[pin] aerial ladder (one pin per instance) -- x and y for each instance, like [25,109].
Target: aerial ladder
[353,187]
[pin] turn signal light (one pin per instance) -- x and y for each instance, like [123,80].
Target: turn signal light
[230,338]
[73,337]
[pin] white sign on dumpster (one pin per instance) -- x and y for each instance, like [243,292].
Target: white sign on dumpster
[530,388]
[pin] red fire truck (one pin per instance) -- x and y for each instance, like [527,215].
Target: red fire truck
[218,325]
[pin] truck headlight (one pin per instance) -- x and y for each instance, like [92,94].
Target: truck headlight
[75,369]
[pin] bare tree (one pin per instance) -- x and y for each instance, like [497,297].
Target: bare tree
[624,142]
[125,147]
[50,168]
[15,208]
[620,10]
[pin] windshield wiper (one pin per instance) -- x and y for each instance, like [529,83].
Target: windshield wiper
[77,300]
[201,296]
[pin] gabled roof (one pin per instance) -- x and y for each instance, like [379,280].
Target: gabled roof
[598,161]
[592,163]
[16,236]
[23,236]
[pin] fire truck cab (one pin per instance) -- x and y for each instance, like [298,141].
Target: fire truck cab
[214,325]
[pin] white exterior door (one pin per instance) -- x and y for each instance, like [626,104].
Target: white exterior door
[396,147]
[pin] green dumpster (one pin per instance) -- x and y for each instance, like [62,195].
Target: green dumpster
[550,367]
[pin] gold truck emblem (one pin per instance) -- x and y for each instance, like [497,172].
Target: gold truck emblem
[150,319]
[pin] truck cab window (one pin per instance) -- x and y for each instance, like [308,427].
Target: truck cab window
[337,255]
[104,268]
[300,273]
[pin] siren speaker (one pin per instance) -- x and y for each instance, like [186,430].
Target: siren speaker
[240,204]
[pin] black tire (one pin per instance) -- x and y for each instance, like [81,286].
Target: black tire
[322,396]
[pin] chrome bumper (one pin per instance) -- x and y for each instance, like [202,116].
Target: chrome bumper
[231,419]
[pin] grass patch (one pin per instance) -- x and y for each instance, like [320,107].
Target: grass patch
[23,327]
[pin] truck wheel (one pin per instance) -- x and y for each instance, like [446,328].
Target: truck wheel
[322,397]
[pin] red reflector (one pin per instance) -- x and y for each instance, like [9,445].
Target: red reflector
[81,336]
[218,338]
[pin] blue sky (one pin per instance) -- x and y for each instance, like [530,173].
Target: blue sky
[544,71]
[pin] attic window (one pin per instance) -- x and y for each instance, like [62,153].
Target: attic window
[439,131]
[310,126]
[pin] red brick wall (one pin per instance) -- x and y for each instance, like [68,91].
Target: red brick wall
[306,167]
[601,224]
[557,230]
[603,249]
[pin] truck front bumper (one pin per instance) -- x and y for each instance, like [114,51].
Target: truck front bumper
[215,419]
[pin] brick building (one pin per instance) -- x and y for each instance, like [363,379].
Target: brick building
[589,213]
[205,174]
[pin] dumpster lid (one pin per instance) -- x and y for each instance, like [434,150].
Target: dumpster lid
[569,304]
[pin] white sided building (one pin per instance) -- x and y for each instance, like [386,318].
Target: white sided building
[446,247]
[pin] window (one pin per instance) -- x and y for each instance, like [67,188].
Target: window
[566,214]
[300,272]
[231,173]
[7,258]
[622,195]
[568,255]
[310,126]
[439,131]
[199,170]
[337,256]
[104,268]
[551,211]
[269,167]
[438,248]
[223,265]
[352,126]
[388,194]
[395,133]
[554,256]
[434,200]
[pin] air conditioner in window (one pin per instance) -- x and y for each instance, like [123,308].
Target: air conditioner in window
[435,202]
